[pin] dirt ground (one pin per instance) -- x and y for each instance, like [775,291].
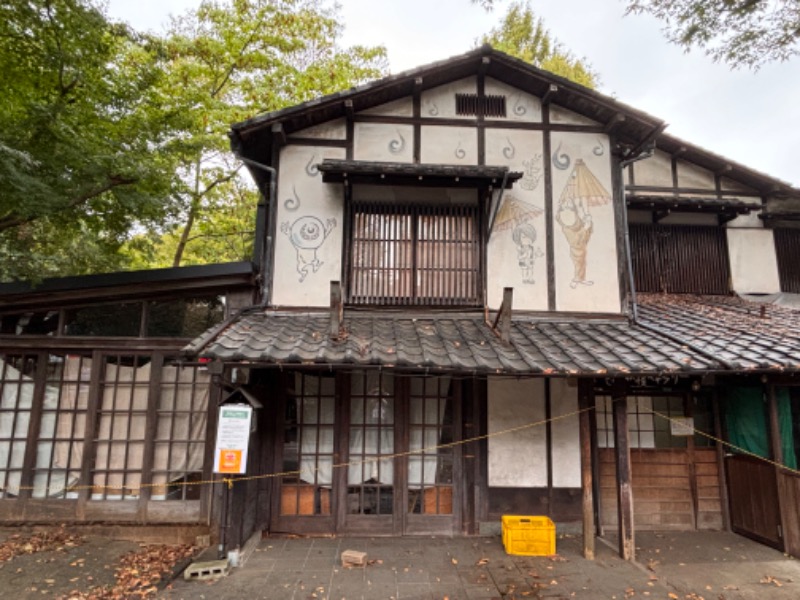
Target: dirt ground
[55,563]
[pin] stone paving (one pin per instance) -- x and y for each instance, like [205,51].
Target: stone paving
[423,568]
[682,565]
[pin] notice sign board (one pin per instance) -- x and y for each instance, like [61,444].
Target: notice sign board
[233,435]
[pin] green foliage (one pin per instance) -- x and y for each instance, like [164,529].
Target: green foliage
[105,131]
[523,35]
[225,62]
[78,130]
[745,33]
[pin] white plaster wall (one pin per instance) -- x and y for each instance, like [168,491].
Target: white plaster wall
[754,265]
[308,239]
[598,289]
[521,264]
[517,459]
[449,145]
[520,106]
[398,108]
[734,186]
[330,130]
[383,142]
[559,114]
[692,176]
[655,171]
[565,434]
[441,101]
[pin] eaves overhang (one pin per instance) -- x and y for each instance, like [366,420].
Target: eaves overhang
[432,175]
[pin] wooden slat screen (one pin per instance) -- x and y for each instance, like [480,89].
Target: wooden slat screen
[787,247]
[415,255]
[680,259]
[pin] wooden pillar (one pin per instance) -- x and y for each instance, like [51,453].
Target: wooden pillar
[622,454]
[776,452]
[585,402]
[723,473]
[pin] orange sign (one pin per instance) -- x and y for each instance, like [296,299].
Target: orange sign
[230,461]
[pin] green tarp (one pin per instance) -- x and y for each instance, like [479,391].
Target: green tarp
[745,416]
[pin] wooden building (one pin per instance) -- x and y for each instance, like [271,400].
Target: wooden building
[483,290]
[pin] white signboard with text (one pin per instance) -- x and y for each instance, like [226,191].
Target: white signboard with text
[233,435]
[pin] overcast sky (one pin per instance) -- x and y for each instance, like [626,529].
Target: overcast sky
[751,118]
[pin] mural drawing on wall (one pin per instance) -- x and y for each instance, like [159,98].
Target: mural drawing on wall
[516,216]
[307,234]
[582,192]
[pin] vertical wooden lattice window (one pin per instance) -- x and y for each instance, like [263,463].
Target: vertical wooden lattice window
[16,392]
[475,105]
[180,433]
[787,248]
[680,259]
[415,255]
[309,417]
[62,429]
[120,435]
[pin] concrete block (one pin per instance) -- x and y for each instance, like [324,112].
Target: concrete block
[212,569]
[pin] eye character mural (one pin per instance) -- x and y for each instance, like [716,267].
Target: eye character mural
[516,215]
[307,234]
[583,191]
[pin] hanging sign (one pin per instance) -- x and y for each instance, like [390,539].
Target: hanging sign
[233,435]
[682,426]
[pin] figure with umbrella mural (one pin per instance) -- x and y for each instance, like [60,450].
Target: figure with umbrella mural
[582,192]
[516,215]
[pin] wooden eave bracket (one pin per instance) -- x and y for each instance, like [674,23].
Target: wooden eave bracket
[502,322]
[337,310]
[615,121]
[552,90]
[659,215]
[279,134]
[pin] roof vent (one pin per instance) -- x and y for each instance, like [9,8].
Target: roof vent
[474,105]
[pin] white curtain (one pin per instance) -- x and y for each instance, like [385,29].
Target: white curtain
[315,413]
[183,403]
[371,429]
[428,403]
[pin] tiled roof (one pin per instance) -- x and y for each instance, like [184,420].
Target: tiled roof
[742,335]
[674,334]
[462,342]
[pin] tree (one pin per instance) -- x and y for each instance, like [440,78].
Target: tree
[227,61]
[78,130]
[523,35]
[746,33]
[108,134]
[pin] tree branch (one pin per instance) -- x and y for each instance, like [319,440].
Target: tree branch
[14,219]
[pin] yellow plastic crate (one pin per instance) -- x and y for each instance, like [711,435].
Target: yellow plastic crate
[529,536]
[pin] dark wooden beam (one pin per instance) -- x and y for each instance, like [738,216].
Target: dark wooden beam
[552,90]
[723,218]
[348,108]
[279,134]
[723,478]
[622,455]
[337,309]
[585,401]
[615,121]
[659,215]
[502,323]
[776,452]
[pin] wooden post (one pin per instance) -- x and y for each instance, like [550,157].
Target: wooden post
[776,448]
[622,453]
[585,403]
[336,313]
[723,474]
